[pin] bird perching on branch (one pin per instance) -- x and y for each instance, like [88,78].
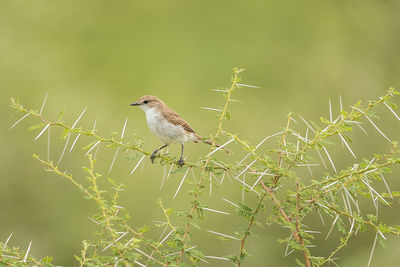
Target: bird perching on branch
[167,125]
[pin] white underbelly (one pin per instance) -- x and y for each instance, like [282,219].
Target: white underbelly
[167,132]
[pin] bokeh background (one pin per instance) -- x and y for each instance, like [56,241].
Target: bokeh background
[104,55]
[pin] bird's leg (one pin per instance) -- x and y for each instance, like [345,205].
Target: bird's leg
[181,161]
[153,156]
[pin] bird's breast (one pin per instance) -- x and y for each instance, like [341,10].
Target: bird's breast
[166,131]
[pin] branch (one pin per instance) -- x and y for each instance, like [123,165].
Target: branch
[295,232]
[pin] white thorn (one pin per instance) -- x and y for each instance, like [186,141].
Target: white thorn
[300,137]
[8,239]
[18,121]
[87,153]
[373,124]
[44,102]
[290,252]
[80,116]
[287,247]
[65,147]
[69,135]
[309,126]
[369,164]
[176,253]
[113,161]
[183,179]
[329,157]
[386,184]
[245,169]
[217,258]
[44,129]
[373,190]
[224,235]
[94,125]
[291,118]
[216,211]
[362,129]
[307,165]
[319,204]
[247,85]
[27,252]
[348,202]
[137,165]
[216,163]
[333,224]
[395,114]
[220,147]
[347,145]
[123,130]
[259,178]
[141,252]
[93,220]
[116,240]
[219,90]
[379,231]
[349,195]
[169,172]
[352,225]
[372,251]
[165,238]
[73,144]
[163,178]
[215,178]
[212,109]
[222,178]
[230,202]
[245,184]
[322,219]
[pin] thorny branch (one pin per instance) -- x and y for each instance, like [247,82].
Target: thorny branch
[222,117]
[280,162]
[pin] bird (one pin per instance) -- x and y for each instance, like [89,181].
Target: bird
[167,125]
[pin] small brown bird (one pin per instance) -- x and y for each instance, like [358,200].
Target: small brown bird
[167,125]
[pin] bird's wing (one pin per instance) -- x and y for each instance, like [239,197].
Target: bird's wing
[175,119]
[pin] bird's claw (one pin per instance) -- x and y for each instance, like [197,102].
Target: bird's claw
[181,162]
[153,156]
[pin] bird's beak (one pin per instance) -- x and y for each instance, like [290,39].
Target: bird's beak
[136,104]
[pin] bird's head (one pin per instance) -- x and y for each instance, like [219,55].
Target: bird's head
[147,102]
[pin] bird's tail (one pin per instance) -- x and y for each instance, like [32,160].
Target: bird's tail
[211,143]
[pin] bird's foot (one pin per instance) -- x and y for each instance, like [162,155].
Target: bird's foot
[153,156]
[181,162]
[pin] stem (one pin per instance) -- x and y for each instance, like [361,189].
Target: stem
[98,198]
[91,196]
[203,169]
[228,100]
[255,212]
[91,133]
[295,232]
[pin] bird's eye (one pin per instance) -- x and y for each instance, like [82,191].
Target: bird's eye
[146,101]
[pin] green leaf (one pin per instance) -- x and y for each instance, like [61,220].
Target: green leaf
[245,211]
[47,259]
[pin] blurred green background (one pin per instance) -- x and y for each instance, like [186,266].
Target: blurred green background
[104,55]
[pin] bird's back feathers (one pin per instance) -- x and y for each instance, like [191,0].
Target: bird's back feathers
[175,119]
